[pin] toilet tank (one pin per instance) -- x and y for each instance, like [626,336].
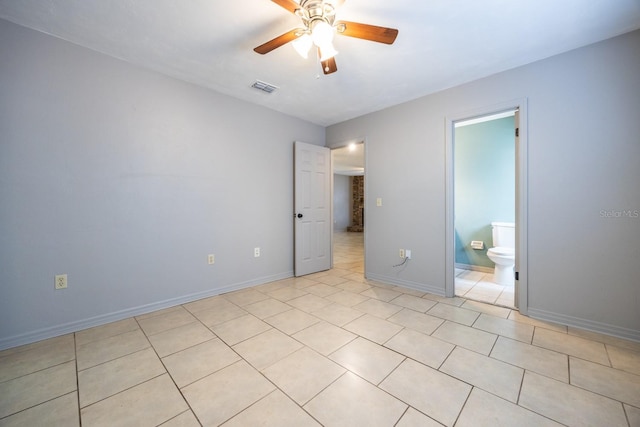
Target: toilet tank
[504,234]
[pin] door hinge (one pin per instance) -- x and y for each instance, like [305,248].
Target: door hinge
[517,131]
[517,274]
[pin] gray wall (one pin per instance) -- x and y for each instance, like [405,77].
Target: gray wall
[125,180]
[341,202]
[584,166]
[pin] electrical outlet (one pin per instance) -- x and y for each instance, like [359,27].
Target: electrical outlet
[407,253]
[256,252]
[211,259]
[61,281]
[402,253]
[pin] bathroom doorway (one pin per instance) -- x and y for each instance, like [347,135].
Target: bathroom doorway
[486,184]
[348,195]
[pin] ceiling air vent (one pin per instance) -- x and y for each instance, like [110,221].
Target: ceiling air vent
[265,87]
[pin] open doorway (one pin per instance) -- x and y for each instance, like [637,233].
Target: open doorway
[477,214]
[484,208]
[348,207]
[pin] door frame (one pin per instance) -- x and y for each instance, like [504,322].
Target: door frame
[521,208]
[336,146]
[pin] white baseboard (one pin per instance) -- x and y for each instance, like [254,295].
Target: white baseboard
[102,319]
[479,268]
[589,325]
[407,284]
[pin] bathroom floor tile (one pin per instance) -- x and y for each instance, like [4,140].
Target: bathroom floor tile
[351,401]
[491,375]
[220,396]
[369,360]
[303,374]
[465,336]
[442,400]
[147,404]
[423,348]
[536,359]
[567,404]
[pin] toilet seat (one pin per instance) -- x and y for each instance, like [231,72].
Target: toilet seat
[502,251]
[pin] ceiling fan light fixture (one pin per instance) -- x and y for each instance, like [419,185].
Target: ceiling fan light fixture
[302,45]
[327,52]
[321,33]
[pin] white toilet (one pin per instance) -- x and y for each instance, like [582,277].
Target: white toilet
[503,254]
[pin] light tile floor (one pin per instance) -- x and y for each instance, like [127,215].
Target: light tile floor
[479,286]
[328,349]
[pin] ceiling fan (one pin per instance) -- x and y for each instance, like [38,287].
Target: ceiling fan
[319,26]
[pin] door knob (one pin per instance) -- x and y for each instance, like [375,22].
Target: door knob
[299,215]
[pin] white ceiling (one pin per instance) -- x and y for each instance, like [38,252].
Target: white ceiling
[441,43]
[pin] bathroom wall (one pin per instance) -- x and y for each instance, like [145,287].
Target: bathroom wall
[484,156]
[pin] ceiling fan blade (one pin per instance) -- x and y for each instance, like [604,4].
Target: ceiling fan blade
[290,5]
[279,41]
[367,32]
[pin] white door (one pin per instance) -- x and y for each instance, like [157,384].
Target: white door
[312,204]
